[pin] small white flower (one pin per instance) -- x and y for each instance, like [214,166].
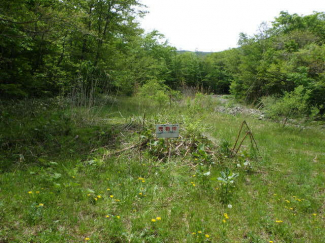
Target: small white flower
[238,165]
[246,163]
[229,206]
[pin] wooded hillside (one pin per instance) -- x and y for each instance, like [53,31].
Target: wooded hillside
[56,47]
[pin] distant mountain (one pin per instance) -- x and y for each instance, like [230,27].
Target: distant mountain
[199,53]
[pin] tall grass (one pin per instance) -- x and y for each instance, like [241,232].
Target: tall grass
[80,182]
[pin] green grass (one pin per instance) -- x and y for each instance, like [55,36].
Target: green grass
[59,184]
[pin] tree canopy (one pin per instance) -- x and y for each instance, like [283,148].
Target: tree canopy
[52,47]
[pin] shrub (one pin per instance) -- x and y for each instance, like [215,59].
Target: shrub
[155,91]
[292,105]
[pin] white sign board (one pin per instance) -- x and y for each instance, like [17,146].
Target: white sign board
[167,130]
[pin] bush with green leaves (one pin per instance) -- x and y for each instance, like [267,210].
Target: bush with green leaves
[156,92]
[293,104]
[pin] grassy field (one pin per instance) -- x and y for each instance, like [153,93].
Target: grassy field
[72,174]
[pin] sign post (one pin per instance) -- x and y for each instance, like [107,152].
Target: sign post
[167,130]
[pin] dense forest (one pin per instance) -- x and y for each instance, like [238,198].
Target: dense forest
[55,47]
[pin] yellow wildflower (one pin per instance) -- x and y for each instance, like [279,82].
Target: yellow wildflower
[314,214]
[87,238]
[193,233]
[140,193]
[271,241]
[153,220]
[158,218]
[30,192]
[99,196]
[37,192]
[200,232]
[118,216]
[207,236]
[226,215]
[193,184]
[111,196]
[108,189]
[107,216]
[278,221]
[41,205]
[95,198]
[224,221]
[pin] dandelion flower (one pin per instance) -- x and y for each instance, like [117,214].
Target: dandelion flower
[314,214]
[107,216]
[41,205]
[143,181]
[37,192]
[271,241]
[207,236]
[30,192]
[224,221]
[87,238]
[278,221]
[153,220]
[193,184]
[193,233]
[108,189]
[99,196]
[111,196]
[158,218]
[95,198]
[226,215]
[200,232]
[140,193]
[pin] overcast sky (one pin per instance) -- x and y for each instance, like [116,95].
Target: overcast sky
[214,25]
